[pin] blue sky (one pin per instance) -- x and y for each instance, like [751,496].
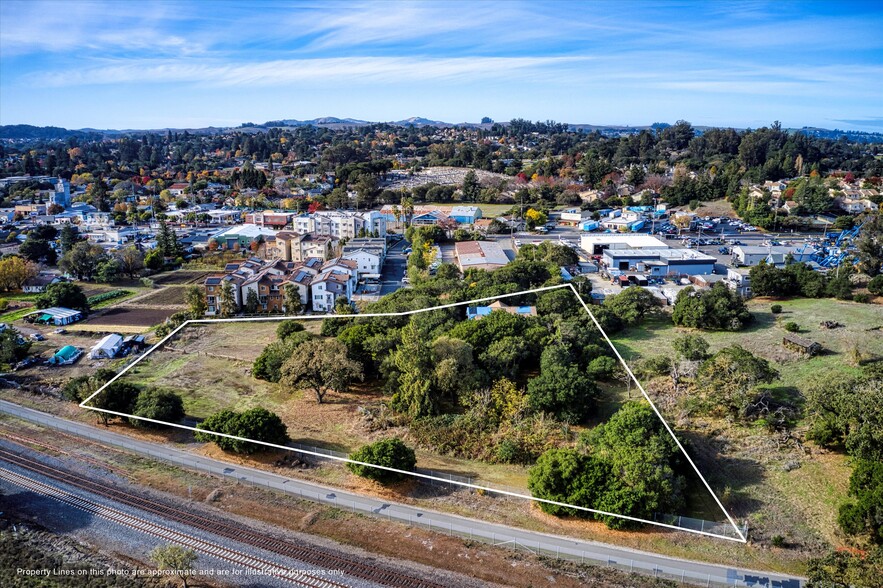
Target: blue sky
[129,64]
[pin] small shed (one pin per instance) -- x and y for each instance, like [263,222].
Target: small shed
[801,345]
[107,348]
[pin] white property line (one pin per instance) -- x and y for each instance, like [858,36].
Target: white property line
[741,538]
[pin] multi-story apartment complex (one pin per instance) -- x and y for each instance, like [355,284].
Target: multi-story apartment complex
[291,246]
[318,283]
[341,224]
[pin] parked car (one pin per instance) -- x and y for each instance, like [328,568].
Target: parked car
[60,331]
[37,337]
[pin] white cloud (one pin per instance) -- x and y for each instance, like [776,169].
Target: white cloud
[294,71]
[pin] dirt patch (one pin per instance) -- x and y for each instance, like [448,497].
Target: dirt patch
[180,277]
[128,316]
[170,296]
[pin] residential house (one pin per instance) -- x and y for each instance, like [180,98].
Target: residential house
[177,189]
[368,253]
[40,282]
[477,312]
[337,278]
[488,255]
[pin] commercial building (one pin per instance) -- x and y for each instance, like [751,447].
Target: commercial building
[597,244]
[659,262]
[465,215]
[750,255]
[486,255]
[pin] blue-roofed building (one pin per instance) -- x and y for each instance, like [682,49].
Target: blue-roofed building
[477,312]
[466,215]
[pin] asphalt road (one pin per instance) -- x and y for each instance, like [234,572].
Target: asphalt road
[592,552]
[393,269]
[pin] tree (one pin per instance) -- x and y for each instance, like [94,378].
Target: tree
[64,294]
[176,559]
[227,304]
[471,187]
[167,241]
[158,405]
[413,360]
[691,347]
[632,304]
[195,297]
[716,308]
[846,569]
[875,286]
[79,388]
[865,515]
[645,461]
[390,453]
[268,365]
[730,378]
[570,477]
[12,347]
[83,260]
[454,368]
[321,365]
[869,245]
[154,260]
[256,424]
[251,302]
[534,218]
[108,271]
[118,397]
[291,301]
[68,237]
[561,388]
[15,271]
[131,260]
[38,251]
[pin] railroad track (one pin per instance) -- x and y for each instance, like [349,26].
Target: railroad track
[288,548]
[238,558]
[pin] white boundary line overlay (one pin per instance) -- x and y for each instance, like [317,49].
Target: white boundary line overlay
[741,538]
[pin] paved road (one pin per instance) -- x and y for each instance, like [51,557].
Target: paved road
[393,269]
[638,561]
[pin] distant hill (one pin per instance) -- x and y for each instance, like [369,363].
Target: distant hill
[34,133]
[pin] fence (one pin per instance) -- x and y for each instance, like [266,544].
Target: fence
[524,542]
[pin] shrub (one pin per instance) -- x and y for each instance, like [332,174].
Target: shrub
[778,541]
[861,297]
[158,405]
[287,328]
[257,424]
[791,327]
[391,453]
[776,308]
[875,286]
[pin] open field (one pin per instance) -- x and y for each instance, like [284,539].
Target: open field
[764,337]
[779,486]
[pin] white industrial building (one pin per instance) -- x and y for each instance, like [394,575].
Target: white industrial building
[107,348]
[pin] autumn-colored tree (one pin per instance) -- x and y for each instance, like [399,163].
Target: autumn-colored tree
[15,271]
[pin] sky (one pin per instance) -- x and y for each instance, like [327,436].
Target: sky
[137,65]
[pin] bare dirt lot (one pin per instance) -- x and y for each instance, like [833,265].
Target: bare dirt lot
[129,319]
[180,277]
[171,295]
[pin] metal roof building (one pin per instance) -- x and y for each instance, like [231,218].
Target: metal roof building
[480,254]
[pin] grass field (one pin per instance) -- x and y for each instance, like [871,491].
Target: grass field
[779,487]
[764,337]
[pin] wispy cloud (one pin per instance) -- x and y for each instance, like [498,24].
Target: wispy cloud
[292,71]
